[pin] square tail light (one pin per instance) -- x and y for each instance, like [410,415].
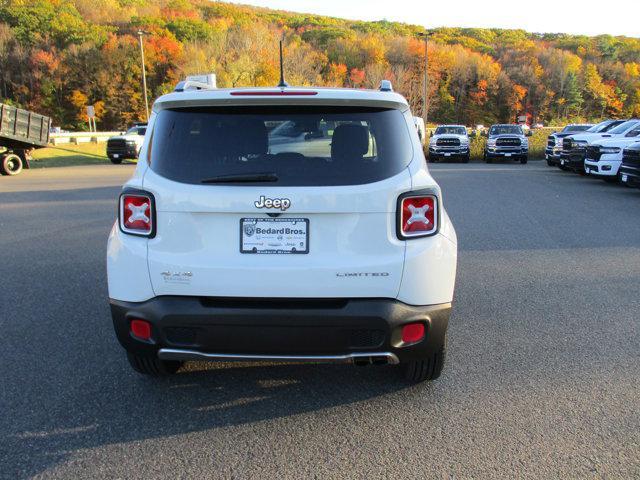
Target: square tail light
[136,214]
[418,216]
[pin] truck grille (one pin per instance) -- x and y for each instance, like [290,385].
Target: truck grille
[508,142]
[569,145]
[448,142]
[593,153]
[117,145]
[631,157]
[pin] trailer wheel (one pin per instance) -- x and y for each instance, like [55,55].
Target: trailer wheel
[11,164]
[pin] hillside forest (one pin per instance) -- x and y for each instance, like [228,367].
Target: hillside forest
[58,56]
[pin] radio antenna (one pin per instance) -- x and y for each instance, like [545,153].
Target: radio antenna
[282,83]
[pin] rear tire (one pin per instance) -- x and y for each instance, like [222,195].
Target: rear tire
[10,164]
[524,160]
[152,366]
[426,369]
[115,161]
[549,163]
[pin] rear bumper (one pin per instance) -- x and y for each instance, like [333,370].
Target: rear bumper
[279,329]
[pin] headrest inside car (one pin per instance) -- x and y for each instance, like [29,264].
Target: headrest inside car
[349,142]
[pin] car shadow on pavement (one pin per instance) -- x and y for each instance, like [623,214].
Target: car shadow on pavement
[126,407]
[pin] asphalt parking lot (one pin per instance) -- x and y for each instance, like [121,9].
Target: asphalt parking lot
[542,378]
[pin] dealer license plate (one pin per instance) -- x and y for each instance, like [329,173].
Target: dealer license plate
[447,154]
[507,154]
[625,178]
[561,162]
[116,155]
[274,235]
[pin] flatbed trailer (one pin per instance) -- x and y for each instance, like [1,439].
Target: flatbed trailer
[21,131]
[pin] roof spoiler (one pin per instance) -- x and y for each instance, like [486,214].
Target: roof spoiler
[197,82]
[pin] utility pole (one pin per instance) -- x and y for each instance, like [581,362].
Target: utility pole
[144,73]
[425,92]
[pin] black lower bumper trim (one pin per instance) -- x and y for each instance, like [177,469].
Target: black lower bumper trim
[507,155]
[245,327]
[573,162]
[632,175]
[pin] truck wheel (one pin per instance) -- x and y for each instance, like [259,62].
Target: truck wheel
[426,369]
[524,160]
[465,159]
[115,161]
[11,164]
[549,163]
[152,366]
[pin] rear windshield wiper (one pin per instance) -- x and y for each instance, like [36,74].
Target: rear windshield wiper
[243,178]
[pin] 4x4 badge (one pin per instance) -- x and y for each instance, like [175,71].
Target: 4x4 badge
[281,203]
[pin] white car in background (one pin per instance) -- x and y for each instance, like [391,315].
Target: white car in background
[604,157]
[236,241]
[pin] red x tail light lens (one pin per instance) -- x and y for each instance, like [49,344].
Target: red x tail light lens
[137,214]
[418,216]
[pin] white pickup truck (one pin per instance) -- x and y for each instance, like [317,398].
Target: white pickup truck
[126,146]
[604,157]
[449,142]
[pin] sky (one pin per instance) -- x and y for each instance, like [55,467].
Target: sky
[586,17]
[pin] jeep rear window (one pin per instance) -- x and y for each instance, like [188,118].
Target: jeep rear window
[301,145]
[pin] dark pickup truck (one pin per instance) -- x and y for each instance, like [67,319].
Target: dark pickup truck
[630,168]
[554,142]
[21,131]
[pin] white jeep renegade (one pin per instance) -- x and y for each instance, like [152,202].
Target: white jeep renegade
[282,224]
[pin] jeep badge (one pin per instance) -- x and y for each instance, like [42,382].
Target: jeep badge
[281,203]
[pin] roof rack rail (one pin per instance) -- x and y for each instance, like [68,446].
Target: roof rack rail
[385,86]
[197,82]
